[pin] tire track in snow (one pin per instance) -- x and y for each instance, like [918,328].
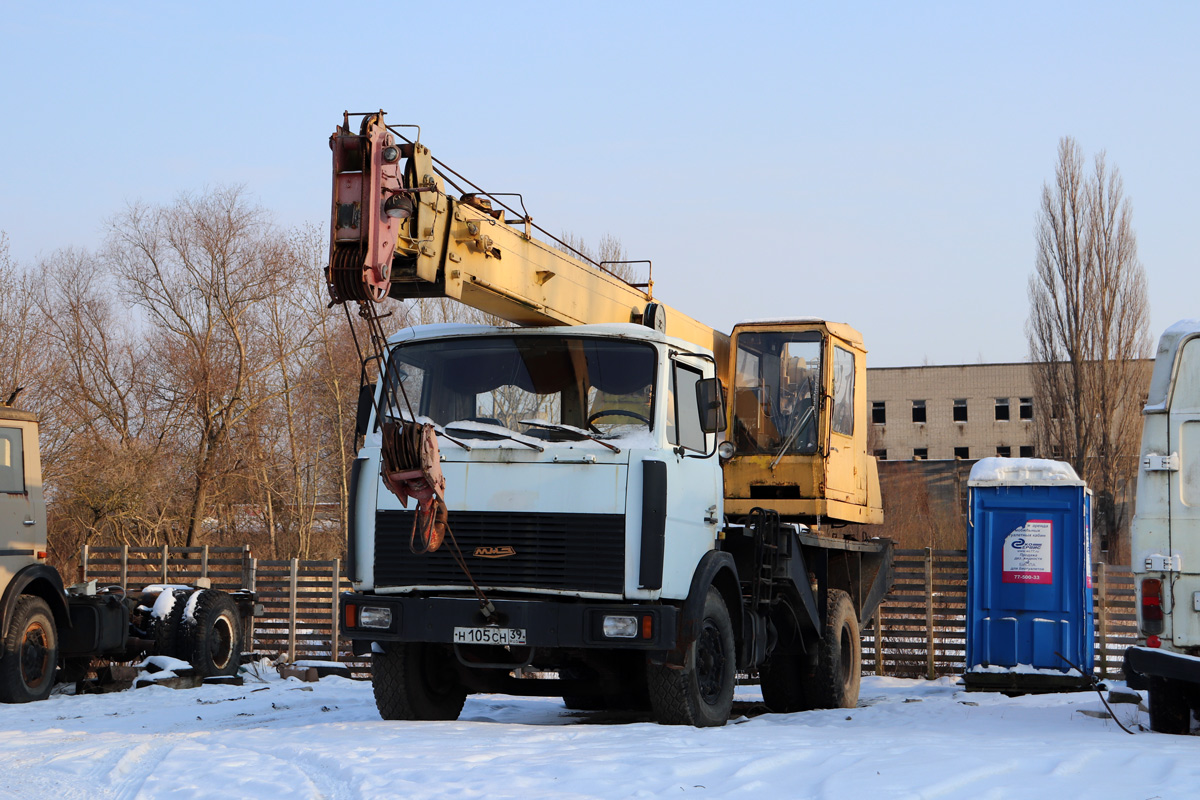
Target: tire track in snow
[139,763]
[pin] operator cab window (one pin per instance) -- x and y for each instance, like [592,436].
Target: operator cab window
[776,392]
[843,391]
[12,461]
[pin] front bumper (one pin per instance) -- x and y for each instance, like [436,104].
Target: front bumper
[547,623]
[1143,663]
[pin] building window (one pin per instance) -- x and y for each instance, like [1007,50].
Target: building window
[1055,451]
[1004,451]
[1002,408]
[920,453]
[918,410]
[1026,408]
[962,452]
[960,410]
[881,455]
[1026,451]
[879,412]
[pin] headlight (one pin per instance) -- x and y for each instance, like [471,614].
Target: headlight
[725,450]
[391,154]
[374,617]
[620,627]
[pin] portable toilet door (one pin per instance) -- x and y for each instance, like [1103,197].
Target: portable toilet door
[1030,625]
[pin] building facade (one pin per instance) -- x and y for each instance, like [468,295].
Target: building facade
[967,412]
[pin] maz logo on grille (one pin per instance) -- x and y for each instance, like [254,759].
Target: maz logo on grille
[494,552]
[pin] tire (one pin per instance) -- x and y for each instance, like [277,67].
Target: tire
[212,638]
[30,654]
[167,632]
[415,680]
[700,694]
[836,676]
[584,702]
[73,670]
[782,680]
[1169,711]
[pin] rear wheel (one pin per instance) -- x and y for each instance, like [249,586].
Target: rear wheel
[700,694]
[212,639]
[837,673]
[30,656]
[167,628]
[1169,711]
[416,680]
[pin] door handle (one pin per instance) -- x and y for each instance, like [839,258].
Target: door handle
[28,523]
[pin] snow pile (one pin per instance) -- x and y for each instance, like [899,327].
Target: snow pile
[1023,471]
[285,738]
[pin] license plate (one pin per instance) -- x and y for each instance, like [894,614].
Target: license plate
[489,635]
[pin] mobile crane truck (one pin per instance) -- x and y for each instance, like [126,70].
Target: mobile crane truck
[1165,536]
[52,633]
[581,529]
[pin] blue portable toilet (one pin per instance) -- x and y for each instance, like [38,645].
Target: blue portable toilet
[1029,577]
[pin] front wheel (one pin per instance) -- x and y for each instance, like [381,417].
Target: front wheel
[30,655]
[835,680]
[700,694]
[416,680]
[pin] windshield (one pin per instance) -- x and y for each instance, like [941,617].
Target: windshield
[471,385]
[776,392]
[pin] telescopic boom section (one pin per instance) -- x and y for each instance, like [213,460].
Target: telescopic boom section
[396,232]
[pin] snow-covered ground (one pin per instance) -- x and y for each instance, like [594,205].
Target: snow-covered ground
[287,739]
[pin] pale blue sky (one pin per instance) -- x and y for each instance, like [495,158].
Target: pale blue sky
[877,164]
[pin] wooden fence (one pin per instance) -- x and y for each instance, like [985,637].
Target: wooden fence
[919,630]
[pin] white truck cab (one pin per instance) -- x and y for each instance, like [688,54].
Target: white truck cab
[1165,536]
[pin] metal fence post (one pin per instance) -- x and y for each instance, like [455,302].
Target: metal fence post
[1102,613]
[292,587]
[930,657]
[124,567]
[334,631]
[879,639]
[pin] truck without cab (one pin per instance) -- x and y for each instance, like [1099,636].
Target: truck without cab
[52,633]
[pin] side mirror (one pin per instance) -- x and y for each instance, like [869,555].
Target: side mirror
[710,400]
[366,401]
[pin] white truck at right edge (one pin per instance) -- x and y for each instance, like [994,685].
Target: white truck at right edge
[1165,538]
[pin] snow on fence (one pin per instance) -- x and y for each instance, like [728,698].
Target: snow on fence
[919,630]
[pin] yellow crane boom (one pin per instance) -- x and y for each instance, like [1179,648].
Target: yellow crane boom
[396,232]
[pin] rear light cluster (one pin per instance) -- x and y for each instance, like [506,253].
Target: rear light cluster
[1152,612]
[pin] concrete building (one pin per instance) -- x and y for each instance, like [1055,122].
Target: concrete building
[968,411]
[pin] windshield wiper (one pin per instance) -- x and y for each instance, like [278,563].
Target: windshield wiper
[582,434]
[489,431]
[797,427]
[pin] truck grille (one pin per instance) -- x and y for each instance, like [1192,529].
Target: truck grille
[573,552]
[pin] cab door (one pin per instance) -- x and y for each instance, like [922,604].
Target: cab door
[843,481]
[22,510]
[1183,529]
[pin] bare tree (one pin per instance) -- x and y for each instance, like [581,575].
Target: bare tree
[18,345]
[1088,332]
[200,269]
